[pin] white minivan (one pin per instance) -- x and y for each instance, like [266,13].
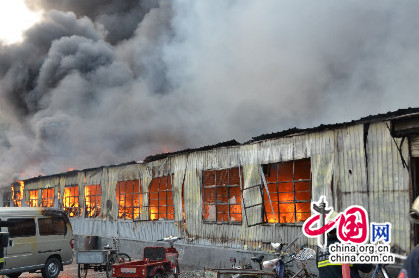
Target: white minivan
[40,239]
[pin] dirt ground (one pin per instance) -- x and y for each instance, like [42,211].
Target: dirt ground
[70,271]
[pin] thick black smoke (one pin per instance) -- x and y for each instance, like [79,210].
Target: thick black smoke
[102,82]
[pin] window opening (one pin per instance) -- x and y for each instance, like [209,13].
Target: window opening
[92,197]
[23,227]
[48,197]
[289,186]
[130,198]
[51,226]
[17,193]
[221,191]
[7,196]
[33,197]
[161,198]
[71,200]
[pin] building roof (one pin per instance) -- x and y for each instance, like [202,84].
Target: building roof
[399,114]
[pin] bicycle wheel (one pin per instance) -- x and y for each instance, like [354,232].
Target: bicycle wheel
[381,273]
[123,258]
[82,270]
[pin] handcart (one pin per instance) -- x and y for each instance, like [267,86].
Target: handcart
[99,260]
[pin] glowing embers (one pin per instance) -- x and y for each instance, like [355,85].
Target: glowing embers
[161,198]
[47,197]
[289,185]
[130,198]
[92,195]
[33,198]
[222,195]
[71,201]
[17,193]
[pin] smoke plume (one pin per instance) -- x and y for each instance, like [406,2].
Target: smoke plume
[102,82]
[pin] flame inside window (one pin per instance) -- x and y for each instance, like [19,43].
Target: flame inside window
[161,198]
[289,185]
[222,195]
[129,196]
[71,200]
[17,193]
[48,197]
[92,194]
[33,198]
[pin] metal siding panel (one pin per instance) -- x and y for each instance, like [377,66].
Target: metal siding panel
[389,184]
[414,143]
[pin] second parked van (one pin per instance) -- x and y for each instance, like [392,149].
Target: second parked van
[40,239]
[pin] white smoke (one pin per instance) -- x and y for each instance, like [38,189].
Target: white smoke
[94,84]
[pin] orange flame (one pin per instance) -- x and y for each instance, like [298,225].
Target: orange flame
[71,200]
[18,196]
[153,213]
[92,195]
[33,198]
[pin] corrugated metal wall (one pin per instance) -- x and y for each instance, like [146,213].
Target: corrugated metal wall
[361,161]
[415,146]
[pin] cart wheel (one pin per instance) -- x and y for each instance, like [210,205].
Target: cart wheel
[108,267]
[82,270]
[160,275]
[176,272]
[123,258]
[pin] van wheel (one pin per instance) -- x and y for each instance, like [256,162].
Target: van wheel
[14,275]
[51,268]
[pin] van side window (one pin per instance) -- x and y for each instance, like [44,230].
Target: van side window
[23,227]
[51,226]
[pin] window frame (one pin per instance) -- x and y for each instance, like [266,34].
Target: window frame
[21,229]
[216,203]
[294,201]
[169,181]
[76,210]
[133,208]
[52,231]
[33,200]
[97,207]
[48,197]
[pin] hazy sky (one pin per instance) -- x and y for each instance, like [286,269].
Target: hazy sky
[102,82]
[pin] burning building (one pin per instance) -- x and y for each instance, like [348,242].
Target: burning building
[239,196]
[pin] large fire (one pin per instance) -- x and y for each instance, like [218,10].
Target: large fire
[289,189]
[161,198]
[222,195]
[48,197]
[33,198]
[71,200]
[92,195]
[17,196]
[129,198]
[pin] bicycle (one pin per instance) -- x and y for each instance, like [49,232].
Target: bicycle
[381,271]
[281,267]
[100,260]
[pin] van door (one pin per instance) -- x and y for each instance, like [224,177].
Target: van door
[22,243]
[52,231]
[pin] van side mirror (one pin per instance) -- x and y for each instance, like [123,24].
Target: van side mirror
[4,240]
